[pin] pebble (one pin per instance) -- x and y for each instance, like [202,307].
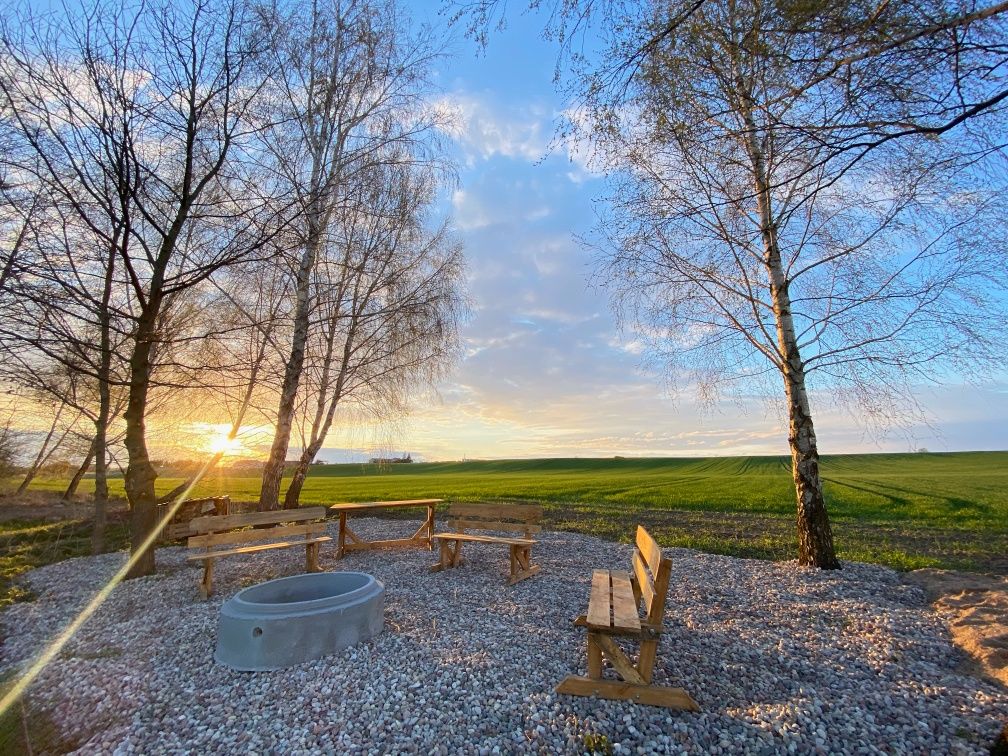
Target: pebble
[781,659]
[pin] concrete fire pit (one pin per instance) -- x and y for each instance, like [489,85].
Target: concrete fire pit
[296,619]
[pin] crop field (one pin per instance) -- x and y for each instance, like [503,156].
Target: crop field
[905,510]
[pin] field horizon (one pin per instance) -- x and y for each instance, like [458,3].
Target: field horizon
[942,509]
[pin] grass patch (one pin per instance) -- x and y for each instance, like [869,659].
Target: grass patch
[25,545]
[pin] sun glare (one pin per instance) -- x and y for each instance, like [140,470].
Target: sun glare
[221,444]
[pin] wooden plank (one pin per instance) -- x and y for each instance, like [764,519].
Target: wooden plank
[649,695]
[255,534]
[216,523]
[353,506]
[598,604]
[624,608]
[390,543]
[532,512]
[524,574]
[258,547]
[649,549]
[594,658]
[487,539]
[644,584]
[459,524]
[619,660]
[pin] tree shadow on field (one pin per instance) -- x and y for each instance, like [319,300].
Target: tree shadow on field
[889,492]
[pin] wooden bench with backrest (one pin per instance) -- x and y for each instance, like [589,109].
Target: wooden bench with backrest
[498,518]
[221,536]
[614,610]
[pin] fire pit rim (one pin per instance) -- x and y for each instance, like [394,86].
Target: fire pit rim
[240,603]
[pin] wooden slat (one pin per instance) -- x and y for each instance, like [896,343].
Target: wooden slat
[390,543]
[352,506]
[644,582]
[493,525]
[598,604]
[255,534]
[258,547]
[215,523]
[486,538]
[649,549]
[525,512]
[650,695]
[624,608]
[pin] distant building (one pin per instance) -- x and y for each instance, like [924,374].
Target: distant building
[405,459]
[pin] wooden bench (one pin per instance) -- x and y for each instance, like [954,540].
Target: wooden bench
[259,531]
[613,610]
[517,518]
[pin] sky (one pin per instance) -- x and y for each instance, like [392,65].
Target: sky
[546,371]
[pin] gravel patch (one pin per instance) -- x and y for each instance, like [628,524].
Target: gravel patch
[781,660]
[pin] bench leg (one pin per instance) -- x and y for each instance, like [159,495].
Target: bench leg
[206,587]
[618,690]
[594,658]
[341,538]
[521,564]
[645,665]
[450,557]
[311,558]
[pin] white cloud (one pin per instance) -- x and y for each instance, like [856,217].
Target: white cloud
[483,132]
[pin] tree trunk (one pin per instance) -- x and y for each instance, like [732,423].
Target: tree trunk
[269,496]
[104,409]
[140,473]
[815,537]
[293,498]
[71,488]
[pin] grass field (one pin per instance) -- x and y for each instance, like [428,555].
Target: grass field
[905,510]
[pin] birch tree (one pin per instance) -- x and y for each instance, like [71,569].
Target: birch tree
[389,301]
[800,191]
[349,96]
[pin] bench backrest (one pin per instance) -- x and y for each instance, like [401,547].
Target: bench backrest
[189,510]
[256,526]
[518,518]
[652,572]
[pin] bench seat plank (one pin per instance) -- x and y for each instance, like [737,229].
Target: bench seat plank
[598,604]
[625,617]
[258,547]
[486,539]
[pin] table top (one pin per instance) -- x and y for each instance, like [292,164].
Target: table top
[353,506]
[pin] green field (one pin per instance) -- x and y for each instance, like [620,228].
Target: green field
[906,510]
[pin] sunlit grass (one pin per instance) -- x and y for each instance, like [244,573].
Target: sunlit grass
[25,545]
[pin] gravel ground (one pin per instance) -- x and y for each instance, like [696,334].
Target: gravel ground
[781,660]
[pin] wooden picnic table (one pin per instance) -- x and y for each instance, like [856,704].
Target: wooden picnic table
[350,541]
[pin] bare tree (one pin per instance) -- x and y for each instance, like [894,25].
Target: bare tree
[389,299]
[349,92]
[782,205]
[138,115]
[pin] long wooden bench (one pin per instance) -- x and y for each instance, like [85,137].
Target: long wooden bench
[614,610]
[257,531]
[500,518]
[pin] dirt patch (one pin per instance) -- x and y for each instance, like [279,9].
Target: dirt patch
[976,609]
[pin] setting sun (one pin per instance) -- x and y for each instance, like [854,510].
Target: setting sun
[220,443]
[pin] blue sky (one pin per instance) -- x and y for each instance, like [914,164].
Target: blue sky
[546,371]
